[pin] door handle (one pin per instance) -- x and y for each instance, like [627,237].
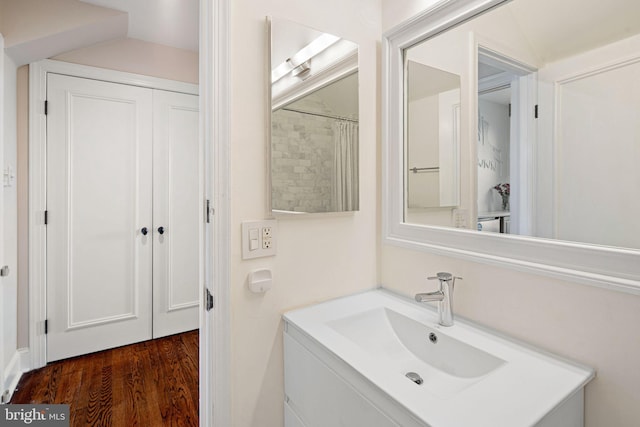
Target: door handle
[161,230]
[144,231]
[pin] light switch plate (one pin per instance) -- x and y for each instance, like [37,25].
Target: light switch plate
[267,231]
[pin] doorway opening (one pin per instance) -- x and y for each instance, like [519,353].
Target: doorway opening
[506,114]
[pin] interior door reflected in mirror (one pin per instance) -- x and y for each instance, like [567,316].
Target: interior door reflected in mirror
[314,160]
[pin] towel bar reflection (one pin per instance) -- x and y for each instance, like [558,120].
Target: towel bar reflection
[416,170]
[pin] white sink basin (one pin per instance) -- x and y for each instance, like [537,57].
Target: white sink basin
[445,365]
[470,377]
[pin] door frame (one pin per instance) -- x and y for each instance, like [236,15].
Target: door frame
[522,78]
[3,377]
[215,332]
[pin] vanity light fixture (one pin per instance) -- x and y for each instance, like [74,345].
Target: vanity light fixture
[299,63]
[302,70]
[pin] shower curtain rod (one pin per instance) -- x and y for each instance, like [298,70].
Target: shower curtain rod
[320,115]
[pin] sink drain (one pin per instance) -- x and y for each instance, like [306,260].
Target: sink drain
[416,378]
[433,338]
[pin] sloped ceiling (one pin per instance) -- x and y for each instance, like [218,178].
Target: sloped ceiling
[339,98]
[38,29]
[168,22]
[557,29]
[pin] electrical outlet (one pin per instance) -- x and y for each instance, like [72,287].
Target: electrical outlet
[460,218]
[266,243]
[267,232]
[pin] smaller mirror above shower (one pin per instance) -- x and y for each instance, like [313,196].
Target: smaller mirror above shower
[313,80]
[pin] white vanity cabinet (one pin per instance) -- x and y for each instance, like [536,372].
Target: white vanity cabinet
[376,359]
[317,396]
[321,390]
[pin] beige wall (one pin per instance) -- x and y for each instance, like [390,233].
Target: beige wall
[8,212]
[318,258]
[590,325]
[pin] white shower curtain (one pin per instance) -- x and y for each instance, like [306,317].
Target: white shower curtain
[345,187]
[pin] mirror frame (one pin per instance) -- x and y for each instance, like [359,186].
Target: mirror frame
[606,267]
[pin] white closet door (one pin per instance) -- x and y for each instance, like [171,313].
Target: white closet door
[99,172]
[176,203]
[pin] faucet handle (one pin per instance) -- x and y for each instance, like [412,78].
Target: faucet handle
[442,276]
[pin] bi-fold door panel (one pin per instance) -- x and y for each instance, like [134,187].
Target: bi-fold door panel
[176,204]
[99,189]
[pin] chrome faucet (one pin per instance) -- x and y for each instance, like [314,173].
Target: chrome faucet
[444,296]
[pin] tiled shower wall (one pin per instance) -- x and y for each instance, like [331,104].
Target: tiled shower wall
[302,152]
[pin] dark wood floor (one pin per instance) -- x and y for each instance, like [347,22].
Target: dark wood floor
[153,383]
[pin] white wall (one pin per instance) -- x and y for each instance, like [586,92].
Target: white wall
[319,257]
[590,325]
[9,214]
[9,235]
[423,188]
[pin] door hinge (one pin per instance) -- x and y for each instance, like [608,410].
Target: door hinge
[509,110]
[46,217]
[209,300]
[535,111]
[209,212]
[4,271]
[46,107]
[46,326]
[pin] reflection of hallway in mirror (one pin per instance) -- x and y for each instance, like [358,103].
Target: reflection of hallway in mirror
[493,148]
[152,383]
[505,178]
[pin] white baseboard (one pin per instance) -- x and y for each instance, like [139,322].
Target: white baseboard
[25,359]
[18,364]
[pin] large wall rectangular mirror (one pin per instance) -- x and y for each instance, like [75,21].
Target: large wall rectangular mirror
[549,142]
[314,120]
